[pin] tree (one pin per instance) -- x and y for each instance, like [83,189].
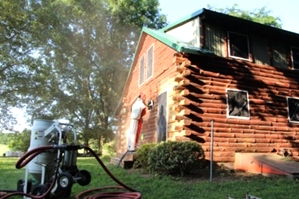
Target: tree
[20,141]
[261,15]
[82,53]
[16,58]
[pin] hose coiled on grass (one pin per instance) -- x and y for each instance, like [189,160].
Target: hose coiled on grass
[133,194]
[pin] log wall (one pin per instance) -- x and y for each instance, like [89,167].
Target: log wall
[200,97]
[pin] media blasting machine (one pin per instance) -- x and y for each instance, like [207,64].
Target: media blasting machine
[51,162]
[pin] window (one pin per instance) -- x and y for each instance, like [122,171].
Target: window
[237,104]
[146,66]
[238,46]
[141,71]
[295,57]
[150,62]
[293,109]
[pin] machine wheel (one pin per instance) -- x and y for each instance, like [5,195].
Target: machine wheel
[39,190]
[65,181]
[85,177]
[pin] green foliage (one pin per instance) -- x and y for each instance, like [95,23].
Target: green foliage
[20,141]
[139,13]
[142,155]
[175,157]
[109,148]
[6,137]
[261,15]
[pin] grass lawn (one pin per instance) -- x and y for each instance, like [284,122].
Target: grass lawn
[225,183]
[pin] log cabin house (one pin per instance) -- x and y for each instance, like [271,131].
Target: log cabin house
[214,74]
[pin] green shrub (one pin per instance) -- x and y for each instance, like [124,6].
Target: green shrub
[175,157]
[141,155]
[109,148]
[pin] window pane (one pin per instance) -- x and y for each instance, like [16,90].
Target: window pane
[295,58]
[293,108]
[150,61]
[141,71]
[238,104]
[238,45]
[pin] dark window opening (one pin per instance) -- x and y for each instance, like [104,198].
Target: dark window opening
[238,45]
[293,109]
[238,104]
[295,58]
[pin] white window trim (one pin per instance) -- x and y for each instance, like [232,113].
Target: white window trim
[289,109]
[236,57]
[153,59]
[227,105]
[139,82]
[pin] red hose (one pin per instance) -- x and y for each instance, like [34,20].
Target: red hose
[23,161]
[110,195]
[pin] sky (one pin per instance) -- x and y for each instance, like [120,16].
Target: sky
[286,10]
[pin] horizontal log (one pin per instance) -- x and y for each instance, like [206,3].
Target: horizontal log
[178,117]
[180,68]
[178,59]
[274,119]
[177,127]
[244,140]
[177,108]
[177,97]
[181,138]
[212,103]
[185,92]
[221,159]
[179,77]
[201,136]
[258,80]
[185,102]
[184,122]
[178,88]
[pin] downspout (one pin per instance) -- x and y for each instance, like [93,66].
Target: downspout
[211,150]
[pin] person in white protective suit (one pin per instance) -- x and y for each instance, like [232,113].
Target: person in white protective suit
[137,112]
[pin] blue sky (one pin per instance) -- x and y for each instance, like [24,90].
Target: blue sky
[286,10]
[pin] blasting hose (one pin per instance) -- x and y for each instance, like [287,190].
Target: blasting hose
[23,161]
[125,193]
[133,194]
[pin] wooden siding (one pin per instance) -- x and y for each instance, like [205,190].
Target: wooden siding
[163,73]
[279,51]
[201,98]
[214,40]
[260,50]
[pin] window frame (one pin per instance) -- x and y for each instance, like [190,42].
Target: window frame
[288,107]
[229,105]
[295,61]
[149,61]
[230,43]
[141,70]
